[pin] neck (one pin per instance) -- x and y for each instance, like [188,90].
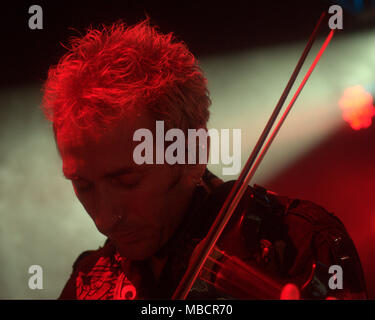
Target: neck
[157,265]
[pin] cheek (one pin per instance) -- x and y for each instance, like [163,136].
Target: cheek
[153,200]
[145,209]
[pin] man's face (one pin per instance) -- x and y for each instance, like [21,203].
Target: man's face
[150,199]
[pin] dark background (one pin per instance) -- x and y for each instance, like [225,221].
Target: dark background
[207,27]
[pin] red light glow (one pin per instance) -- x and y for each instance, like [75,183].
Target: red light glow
[357,107]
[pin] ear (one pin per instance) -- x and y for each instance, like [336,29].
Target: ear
[194,173]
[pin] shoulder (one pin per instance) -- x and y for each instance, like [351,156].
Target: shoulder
[316,240]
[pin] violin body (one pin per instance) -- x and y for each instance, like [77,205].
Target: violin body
[271,241]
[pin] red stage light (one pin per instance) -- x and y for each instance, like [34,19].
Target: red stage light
[357,107]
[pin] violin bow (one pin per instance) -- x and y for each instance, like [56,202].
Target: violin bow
[250,167]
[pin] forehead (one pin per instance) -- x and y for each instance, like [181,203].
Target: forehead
[95,153]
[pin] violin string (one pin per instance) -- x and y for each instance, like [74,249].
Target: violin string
[209,270]
[237,263]
[243,266]
[220,264]
[215,285]
[269,289]
[242,290]
[232,284]
[215,273]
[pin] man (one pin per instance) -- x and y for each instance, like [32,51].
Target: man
[112,82]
